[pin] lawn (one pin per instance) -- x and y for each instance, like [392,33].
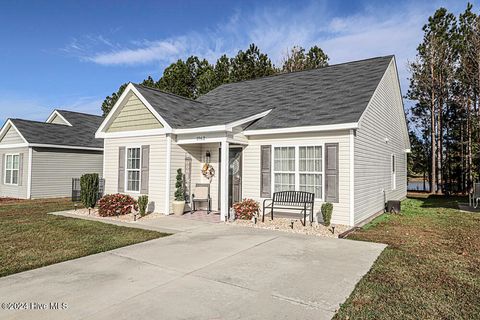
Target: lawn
[31,238]
[430,270]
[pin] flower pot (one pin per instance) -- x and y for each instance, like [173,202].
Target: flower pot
[178,207]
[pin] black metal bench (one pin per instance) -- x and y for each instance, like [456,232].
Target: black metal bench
[291,200]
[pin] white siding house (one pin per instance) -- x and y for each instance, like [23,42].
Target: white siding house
[338,132]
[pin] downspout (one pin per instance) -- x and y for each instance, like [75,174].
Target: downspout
[29,175]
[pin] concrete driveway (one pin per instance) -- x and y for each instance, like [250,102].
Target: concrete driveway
[211,271]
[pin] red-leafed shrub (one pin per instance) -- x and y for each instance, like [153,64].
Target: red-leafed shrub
[116,204]
[246,209]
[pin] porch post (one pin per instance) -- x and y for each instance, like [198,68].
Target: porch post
[224,181]
[168,166]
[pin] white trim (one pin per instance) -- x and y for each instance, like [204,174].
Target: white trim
[56,113]
[225,127]
[168,166]
[328,127]
[352,177]
[125,187]
[132,133]
[29,174]
[39,145]
[5,128]
[210,140]
[224,153]
[131,88]
[104,162]
[14,145]
[12,169]
[408,151]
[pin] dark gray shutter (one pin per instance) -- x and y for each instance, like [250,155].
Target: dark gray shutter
[265,171]
[20,169]
[144,169]
[331,172]
[121,169]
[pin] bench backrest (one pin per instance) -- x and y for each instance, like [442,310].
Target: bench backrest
[293,197]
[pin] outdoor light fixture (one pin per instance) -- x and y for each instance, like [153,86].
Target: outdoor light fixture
[207,156]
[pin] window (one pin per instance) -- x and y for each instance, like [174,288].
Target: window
[12,166]
[394,180]
[298,168]
[133,169]
[284,169]
[311,170]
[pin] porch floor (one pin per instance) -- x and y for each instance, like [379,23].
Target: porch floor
[201,215]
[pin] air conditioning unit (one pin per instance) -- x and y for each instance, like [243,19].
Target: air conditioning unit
[393,206]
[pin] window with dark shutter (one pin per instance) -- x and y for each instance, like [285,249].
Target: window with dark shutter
[121,169]
[265,171]
[331,172]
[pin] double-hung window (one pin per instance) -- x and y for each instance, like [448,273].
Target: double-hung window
[12,168]
[133,169]
[298,168]
[310,160]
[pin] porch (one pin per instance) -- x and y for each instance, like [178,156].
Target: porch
[221,161]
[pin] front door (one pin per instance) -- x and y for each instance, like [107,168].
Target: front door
[234,175]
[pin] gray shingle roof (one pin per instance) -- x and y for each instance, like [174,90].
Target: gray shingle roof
[80,134]
[331,95]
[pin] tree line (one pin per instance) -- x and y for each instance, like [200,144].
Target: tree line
[445,119]
[195,76]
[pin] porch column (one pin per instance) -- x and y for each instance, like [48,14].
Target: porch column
[224,180]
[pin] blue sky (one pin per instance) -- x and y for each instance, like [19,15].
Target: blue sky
[71,54]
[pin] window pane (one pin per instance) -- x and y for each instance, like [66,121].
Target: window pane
[15,161]
[284,182]
[9,162]
[311,183]
[310,159]
[15,176]
[8,176]
[284,159]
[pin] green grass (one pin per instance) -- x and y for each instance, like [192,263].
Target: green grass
[430,270]
[31,238]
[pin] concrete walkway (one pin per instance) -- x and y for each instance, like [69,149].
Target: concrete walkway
[205,271]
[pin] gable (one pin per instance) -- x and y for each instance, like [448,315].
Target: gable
[11,137]
[134,115]
[57,120]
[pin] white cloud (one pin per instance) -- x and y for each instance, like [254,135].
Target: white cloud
[371,31]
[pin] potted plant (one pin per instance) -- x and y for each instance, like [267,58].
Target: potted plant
[179,203]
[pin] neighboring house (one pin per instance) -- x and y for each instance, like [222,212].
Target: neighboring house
[39,159]
[338,131]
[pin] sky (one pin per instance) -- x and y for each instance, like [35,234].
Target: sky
[72,54]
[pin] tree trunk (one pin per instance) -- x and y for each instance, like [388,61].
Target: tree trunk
[433,175]
[469,147]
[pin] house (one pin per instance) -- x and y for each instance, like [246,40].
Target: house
[338,131]
[39,159]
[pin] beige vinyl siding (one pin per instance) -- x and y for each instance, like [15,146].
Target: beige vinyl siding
[53,170]
[134,115]
[251,166]
[383,118]
[14,191]
[197,153]
[58,120]
[11,137]
[157,167]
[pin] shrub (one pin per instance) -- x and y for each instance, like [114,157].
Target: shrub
[89,189]
[142,204]
[246,209]
[179,193]
[116,204]
[327,209]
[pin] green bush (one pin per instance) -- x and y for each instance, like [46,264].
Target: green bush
[89,189]
[179,193]
[142,204]
[327,209]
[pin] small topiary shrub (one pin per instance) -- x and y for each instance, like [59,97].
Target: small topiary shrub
[116,204]
[246,209]
[327,209]
[89,189]
[179,193]
[142,204]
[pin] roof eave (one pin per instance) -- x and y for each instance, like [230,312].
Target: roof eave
[319,128]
